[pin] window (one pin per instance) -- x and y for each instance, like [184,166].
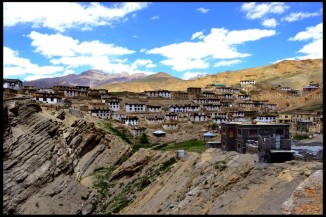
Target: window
[239,132]
[223,130]
[253,132]
[280,131]
[285,116]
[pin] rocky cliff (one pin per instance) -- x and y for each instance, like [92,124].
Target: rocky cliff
[68,165]
[44,159]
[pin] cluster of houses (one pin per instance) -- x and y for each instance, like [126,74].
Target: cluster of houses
[217,104]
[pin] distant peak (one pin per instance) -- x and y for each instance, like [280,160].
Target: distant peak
[162,74]
[92,72]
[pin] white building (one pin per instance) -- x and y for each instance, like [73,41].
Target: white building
[71,92]
[285,88]
[101,113]
[177,108]
[208,94]
[131,120]
[192,108]
[199,100]
[170,126]
[14,84]
[135,107]
[154,120]
[165,93]
[266,118]
[212,107]
[198,117]
[45,90]
[171,117]
[247,82]
[118,116]
[48,98]
[113,105]
[154,108]
[138,131]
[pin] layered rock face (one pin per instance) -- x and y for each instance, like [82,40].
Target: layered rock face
[44,160]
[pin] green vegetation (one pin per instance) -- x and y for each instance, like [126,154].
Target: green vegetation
[121,200]
[101,176]
[122,133]
[300,137]
[193,145]
[143,138]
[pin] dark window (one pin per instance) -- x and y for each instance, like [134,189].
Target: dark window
[252,132]
[279,131]
[239,131]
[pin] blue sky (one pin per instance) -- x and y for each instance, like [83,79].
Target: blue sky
[182,39]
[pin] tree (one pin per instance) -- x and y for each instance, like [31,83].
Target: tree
[143,138]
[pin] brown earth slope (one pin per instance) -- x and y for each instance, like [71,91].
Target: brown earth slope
[291,73]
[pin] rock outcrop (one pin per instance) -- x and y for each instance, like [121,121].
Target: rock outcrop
[44,159]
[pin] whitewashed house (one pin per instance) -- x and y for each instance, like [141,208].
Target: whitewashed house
[152,93]
[45,90]
[208,94]
[199,100]
[285,88]
[171,117]
[135,107]
[192,108]
[219,120]
[113,105]
[138,131]
[198,117]
[71,92]
[247,82]
[266,118]
[154,108]
[164,93]
[118,116]
[212,107]
[14,84]
[101,113]
[213,100]
[154,120]
[48,98]
[170,126]
[177,108]
[130,120]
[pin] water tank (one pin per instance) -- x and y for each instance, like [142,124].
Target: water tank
[181,153]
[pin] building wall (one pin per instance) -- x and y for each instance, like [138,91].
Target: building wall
[135,107]
[235,136]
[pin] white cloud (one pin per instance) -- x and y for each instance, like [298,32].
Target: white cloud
[300,16]
[272,23]
[227,62]
[185,64]
[218,44]
[202,10]
[314,49]
[65,15]
[13,65]
[313,32]
[66,46]
[190,75]
[155,17]
[255,11]
[197,35]
[142,62]
[142,50]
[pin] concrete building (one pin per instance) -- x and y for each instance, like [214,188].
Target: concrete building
[135,107]
[138,131]
[284,119]
[49,98]
[266,118]
[14,84]
[101,113]
[234,135]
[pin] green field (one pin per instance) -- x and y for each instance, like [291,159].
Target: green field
[191,145]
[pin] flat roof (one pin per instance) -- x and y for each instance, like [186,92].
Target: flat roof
[250,123]
[282,151]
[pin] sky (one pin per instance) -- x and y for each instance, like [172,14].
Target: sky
[185,40]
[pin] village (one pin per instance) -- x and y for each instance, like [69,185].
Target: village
[222,116]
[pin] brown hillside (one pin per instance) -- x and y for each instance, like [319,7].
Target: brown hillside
[292,73]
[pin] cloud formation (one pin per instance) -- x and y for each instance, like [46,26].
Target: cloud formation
[271,23]
[314,49]
[61,16]
[203,10]
[256,11]
[220,43]
[300,16]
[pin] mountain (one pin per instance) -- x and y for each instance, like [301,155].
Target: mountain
[87,78]
[151,82]
[292,73]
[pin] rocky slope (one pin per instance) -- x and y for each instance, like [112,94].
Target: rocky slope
[70,166]
[44,159]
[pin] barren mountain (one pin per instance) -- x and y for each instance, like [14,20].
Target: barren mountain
[88,78]
[291,73]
